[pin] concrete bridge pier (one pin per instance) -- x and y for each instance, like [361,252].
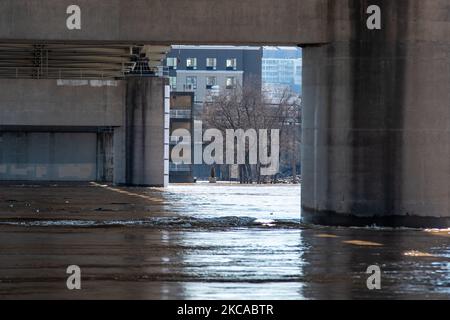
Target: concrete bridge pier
[376,118]
[142,143]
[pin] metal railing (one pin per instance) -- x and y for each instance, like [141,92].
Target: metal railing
[46,72]
[58,73]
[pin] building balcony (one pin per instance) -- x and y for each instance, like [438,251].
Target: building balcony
[179,167]
[180,114]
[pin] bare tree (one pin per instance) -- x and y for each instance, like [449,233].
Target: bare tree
[248,107]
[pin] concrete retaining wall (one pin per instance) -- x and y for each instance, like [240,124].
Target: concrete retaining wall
[61,102]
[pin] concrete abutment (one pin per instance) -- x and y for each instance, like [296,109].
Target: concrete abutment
[65,130]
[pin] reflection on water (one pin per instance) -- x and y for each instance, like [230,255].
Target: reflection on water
[243,263]
[209,200]
[225,242]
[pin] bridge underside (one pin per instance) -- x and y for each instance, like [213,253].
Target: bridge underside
[376,117]
[82,112]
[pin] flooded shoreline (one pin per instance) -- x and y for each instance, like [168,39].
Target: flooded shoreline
[202,242]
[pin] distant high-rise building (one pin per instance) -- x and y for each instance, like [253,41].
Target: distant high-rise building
[282,69]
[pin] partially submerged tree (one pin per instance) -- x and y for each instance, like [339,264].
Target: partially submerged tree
[249,108]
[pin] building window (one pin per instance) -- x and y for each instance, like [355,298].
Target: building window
[211,63]
[231,82]
[210,82]
[231,64]
[173,83]
[191,83]
[172,63]
[191,63]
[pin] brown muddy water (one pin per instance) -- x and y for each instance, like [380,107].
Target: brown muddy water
[202,242]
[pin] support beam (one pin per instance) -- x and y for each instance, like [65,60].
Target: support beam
[168,21]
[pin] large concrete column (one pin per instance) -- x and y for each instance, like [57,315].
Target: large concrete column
[141,144]
[377,116]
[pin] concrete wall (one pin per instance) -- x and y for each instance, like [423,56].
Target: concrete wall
[51,128]
[61,102]
[48,156]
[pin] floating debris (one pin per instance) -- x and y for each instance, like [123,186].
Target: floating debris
[415,253]
[323,235]
[363,243]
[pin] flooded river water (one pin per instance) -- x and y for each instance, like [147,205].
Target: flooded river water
[202,242]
